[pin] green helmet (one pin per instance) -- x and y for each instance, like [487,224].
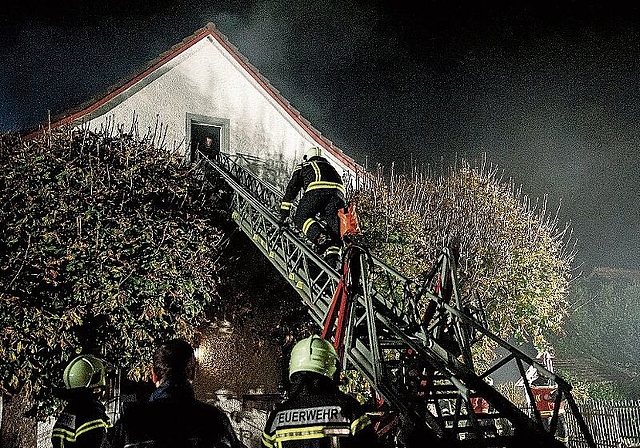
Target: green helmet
[84,371]
[314,354]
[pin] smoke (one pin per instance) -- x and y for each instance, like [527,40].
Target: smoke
[548,92]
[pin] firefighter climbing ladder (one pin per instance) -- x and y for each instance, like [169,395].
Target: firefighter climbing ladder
[412,341]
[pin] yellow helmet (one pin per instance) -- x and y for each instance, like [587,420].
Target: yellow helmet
[314,354]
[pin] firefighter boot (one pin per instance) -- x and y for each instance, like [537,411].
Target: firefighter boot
[332,257]
[325,247]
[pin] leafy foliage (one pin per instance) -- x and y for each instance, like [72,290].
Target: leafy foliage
[106,244]
[512,255]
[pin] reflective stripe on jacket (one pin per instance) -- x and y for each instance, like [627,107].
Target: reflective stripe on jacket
[83,423]
[315,174]
[72,434]
[318,421]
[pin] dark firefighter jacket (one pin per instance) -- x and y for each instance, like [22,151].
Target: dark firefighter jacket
[173,418]
[83,422]
[314,174]
[315,421]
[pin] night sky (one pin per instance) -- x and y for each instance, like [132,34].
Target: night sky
[550,92]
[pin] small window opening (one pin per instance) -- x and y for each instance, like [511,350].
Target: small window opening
[206,139]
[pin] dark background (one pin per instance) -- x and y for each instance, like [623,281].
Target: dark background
[549,91]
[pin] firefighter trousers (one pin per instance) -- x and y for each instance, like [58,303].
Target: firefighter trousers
[320,204]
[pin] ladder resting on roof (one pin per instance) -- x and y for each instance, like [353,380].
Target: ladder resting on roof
[411,341]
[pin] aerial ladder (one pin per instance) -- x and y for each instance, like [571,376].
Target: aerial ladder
[411,340]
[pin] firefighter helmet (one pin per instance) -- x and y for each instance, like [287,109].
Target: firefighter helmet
[85,371]
[314,354]
[314,151]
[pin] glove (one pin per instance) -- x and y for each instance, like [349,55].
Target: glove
[284,215]
[283,223]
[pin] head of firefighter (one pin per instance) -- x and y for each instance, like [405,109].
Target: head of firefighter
[313,355]
[314,151]
[85,372]
[83,420]
[317,413]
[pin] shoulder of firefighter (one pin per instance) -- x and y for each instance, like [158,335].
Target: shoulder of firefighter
[176,423]
[340,421]
[315,174]
[81,425]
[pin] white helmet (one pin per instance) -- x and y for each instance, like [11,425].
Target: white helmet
[314,151]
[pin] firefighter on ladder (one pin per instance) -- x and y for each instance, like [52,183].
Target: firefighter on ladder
[323,196]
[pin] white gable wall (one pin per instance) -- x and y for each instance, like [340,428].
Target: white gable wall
[206,81]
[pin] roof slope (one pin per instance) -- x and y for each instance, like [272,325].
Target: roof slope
[204,32]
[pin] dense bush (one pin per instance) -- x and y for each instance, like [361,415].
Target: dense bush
[106,244]
[513,254]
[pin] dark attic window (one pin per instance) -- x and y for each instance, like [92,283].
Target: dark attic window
[205,138]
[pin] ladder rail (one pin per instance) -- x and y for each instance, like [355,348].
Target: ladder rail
[260,223]
[389,307]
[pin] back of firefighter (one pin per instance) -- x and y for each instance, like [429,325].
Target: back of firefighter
[323,195]
[317,414]
[83,422]
[173,417]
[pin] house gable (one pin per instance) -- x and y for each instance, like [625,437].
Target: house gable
[205,76]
